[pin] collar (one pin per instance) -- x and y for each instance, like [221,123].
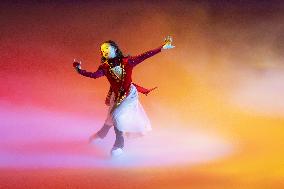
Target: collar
[114,61]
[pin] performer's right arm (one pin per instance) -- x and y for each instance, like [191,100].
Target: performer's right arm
[96,74]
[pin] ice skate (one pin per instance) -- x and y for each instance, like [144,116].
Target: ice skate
[95,139]
[115,152]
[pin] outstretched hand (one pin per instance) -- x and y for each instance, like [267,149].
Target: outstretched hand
[168,43]
[77,64]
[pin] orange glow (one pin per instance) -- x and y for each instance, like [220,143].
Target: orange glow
[224,79]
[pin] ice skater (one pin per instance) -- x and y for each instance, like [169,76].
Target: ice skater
[125,113]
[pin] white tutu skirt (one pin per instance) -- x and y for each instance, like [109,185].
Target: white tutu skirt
[129,117]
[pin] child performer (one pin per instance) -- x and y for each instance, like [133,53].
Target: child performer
[125,112]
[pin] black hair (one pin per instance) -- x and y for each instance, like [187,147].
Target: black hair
[118,52]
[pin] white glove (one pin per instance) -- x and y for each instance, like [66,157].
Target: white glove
[168,43]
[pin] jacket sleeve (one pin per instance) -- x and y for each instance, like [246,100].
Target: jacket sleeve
[96,74]
[134,60]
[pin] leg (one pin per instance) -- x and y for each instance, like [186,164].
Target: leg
[119,140]
[103,131]
[100,134]
[118,144]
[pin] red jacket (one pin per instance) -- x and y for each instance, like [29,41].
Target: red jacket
[120,86]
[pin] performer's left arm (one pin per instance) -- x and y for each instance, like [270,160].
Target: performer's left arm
[138,59]
[134,60]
